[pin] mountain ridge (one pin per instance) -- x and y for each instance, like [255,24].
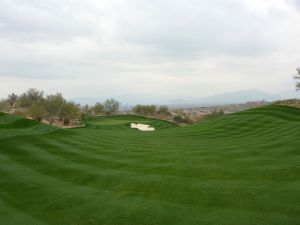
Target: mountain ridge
[235,97]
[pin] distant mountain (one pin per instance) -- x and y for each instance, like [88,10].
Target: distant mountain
[238,97]
[250,95]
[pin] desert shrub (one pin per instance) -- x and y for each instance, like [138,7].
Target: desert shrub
[145,109]
[4,105]
[98,108]
[217,112]
[290,102]
[182,118]
[163,110]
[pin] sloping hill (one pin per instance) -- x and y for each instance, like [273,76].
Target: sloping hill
[19,124]
[252,122]
[242,168]
[14,125]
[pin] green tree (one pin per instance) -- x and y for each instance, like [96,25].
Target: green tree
[69,112]
[54,105]
[98,108]
[30,97]
[37,111]
[111,106]
[12,98]
[297,78]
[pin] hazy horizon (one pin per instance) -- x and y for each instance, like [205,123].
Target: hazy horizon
[241,96]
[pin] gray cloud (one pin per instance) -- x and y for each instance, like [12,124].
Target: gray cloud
[47,20]
[178,28]
[212,43]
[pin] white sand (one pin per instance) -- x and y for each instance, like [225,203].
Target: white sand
[142,127]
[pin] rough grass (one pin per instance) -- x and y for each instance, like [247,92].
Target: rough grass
[238,169]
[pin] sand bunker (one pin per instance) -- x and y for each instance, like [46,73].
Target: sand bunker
[142,127]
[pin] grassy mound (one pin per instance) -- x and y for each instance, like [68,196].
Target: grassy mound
[8,118]
[19,124]
[242,168]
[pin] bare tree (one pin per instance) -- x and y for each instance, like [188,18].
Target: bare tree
[12,98]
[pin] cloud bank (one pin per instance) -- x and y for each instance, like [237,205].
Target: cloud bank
[156,48]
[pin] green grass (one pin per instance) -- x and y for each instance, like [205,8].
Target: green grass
[239,169]
[6,118]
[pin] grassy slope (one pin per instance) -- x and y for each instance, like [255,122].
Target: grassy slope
[239,169]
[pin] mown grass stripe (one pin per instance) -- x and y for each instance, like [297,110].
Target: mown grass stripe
[237,169]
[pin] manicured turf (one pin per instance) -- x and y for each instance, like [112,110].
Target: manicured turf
[239,169]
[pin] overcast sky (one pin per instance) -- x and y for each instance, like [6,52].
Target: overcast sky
[159,48]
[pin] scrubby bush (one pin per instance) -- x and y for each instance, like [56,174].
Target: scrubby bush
[182,118]
[53,108]
[98,108]
[290,102]
[144,109]
[217,112]
[163,110]
[4,105]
